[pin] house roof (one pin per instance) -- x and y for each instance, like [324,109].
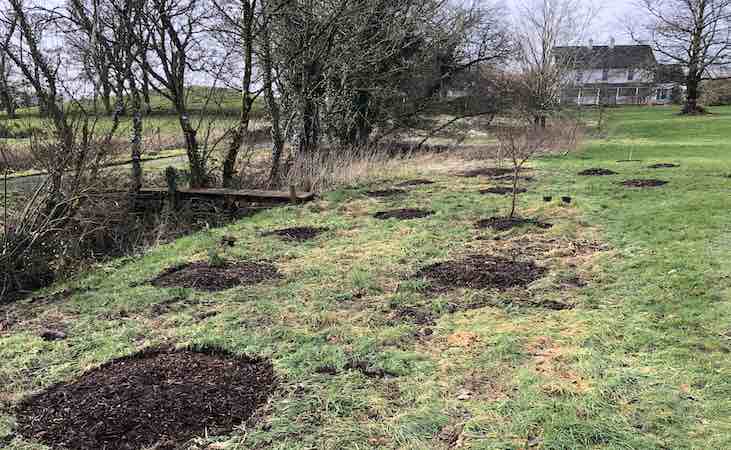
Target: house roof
[606,57]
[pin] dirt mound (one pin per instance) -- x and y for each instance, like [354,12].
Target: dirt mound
[385,193]
[298,234]
[644,183]
[506,223]
[153,397]
[510,177]
[481,272]
[417,182]
[487,172]
[202,276]
[662,166]
[403,214]
[502,190]
[597,172]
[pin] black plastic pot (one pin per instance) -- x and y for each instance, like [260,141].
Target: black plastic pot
[547,198]
[566,200]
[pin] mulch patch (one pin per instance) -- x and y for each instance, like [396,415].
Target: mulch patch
[154,397]
[506,223]
[385,193]
[481,272]
[299,234]
[510,178]
[417,182]
[202,276]
[502,190]
[403,214]
[663,166]
[644,183]
[597,172]
[487,172]
[417,316]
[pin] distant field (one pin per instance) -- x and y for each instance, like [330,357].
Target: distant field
[621,342]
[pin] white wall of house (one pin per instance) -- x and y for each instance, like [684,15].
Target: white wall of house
[592,76]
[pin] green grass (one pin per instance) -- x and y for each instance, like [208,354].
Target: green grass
[641,363]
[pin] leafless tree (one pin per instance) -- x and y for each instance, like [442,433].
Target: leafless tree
[693,33]
[542,26]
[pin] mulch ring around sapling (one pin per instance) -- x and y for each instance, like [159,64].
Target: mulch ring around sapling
[413,183]
[486,172]
[502,190]
[507,223]
[204,277]
[644,183]
[298,234]
[597,172]
[481,272]
[385,193]
[663,166]
[161,398]
[403,214]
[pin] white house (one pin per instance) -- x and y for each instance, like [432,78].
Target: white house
[615,75]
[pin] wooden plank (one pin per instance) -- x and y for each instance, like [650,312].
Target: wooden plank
[244,194]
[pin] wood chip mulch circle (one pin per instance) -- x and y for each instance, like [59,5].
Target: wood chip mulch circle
[413,183]
[644,183]
[502,190]
[481,272]
[298,234]
[506,223]
[403,214]
[597,172]
[204,277]
[161,398]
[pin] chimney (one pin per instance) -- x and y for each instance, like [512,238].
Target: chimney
[591,44]
[612,42]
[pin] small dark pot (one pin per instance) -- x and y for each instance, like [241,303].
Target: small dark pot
[566,200]
[547,198]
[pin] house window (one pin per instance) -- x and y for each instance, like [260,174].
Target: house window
[605,75]
[631,74]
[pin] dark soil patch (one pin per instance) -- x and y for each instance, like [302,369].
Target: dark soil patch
[417,182]
[481,272]
[510,178]
[502,190]
[299,234]
[368,370]
[487,172]
[597,172]
[385,193]
[403,214]
[506,223]
[49,335]
[663,166]
[644,183]
[204,277]
[153,397]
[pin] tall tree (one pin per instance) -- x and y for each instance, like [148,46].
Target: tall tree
[693,33]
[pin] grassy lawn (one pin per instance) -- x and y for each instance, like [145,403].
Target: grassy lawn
[641,362]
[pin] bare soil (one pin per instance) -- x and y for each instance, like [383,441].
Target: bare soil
[487,172]
[202,276]
[506,223]
[663,166]
[413,183]
[299,234]
[597,172]
[403,214]
[644,183]
[153,398]
[502,190]
[481,272]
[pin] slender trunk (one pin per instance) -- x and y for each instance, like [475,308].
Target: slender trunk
[242,129]
[107,99]
[272,105]
[198,178]
[146,92]
[136,139]
[514,200]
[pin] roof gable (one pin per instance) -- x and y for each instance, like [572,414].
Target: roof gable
[605,57]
